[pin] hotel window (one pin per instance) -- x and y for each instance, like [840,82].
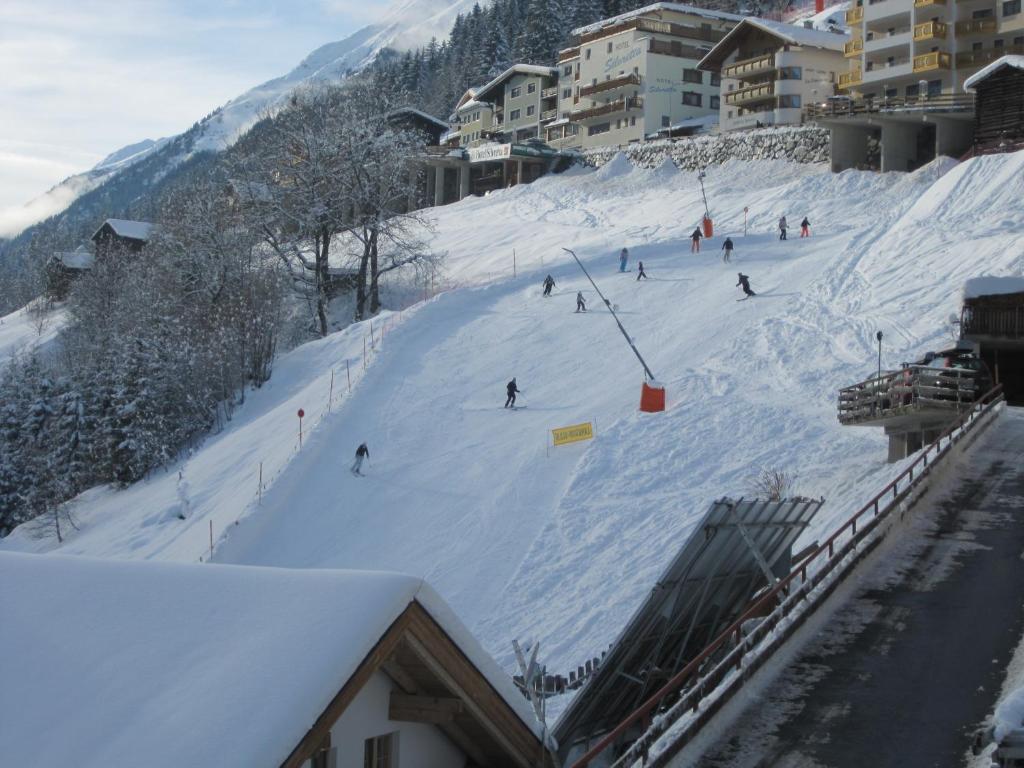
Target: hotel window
[665,121]
[618,124]
[1018,41]
[531,87]
[791,73]
[593,81]
[692,99]
[379,752]
[912,91]
[515,114]
[984,13]
[729,114]
[530,109]
[934,87]
[599,128]
[692,76]
[997,43]
[632,120]
[586,54]
[716,102]
[716,78]
[567,93]
[567,70]
[609,47]
[789,102]
[1011,7]
[516,91]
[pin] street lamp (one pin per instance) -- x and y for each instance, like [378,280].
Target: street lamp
[878,380]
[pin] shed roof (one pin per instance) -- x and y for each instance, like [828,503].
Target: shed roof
[984,73]
[168,664]
[791,34]
[132,230]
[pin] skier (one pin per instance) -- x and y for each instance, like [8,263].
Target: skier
[805,228]
[782,228]
[727,247]
[362,452]
[695,241]
[549,283]
[581,305]
[640,266]
[623,258]
[745,282]
[512,389]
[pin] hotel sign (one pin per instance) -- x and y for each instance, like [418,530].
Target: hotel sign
[488,152]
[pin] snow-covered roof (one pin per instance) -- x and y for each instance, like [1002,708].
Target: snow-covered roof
[170,664]
[77,259]
[678,7]
[133,230]
[991,285]
[987,71]
[410,111]
[474,104]
[516,69]
[787,33]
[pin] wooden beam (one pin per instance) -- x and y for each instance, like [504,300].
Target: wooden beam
[423,709]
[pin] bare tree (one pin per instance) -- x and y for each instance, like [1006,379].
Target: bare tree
[774,484]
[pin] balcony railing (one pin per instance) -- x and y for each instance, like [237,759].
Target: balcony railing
[932,61]
[976,27]
[944,102]
[763,92]
[855,15]
[548,114]
[854,47]
[913,389]
[611,85]
[550,93]
[568,55]
[675,48]
[656,26]
[748,67]
[619,105]
[851,78]
[931,30]
[969,59]
[925,3]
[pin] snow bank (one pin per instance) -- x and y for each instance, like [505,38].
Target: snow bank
[618,166]
[990,285]
[1009,715]
[172,665]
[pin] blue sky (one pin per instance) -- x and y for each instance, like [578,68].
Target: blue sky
[82,79]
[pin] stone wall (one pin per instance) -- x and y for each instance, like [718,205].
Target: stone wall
[803,144]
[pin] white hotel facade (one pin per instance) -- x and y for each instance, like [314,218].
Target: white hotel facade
[631,76]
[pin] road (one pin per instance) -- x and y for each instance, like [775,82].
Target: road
[911,665]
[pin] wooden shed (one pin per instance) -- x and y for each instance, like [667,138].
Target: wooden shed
[999,108]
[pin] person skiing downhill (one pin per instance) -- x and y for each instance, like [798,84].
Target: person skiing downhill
[623,258]
[745,282]
[640,266]
[362,452]
[549,283]
[512,389]
[727,247]
[695,241]
[805,228]
[581,305]
[782,228]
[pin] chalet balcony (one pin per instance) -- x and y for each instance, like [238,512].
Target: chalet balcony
[548,114]
[854,47]
[675,48]
[550,93]
[977,27]
[931,30]
[611,85]
[747,68]
[968,59]
[907,394]
[855,15]
[750,95]
[619,105]
[930,62]
[850,79]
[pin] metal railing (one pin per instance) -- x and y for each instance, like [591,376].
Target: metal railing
[751,93]
[675,48]
[930,29]
[986,55]
[976,27]
[855,15]
[619,105]
[910,389]
[853,47]
[926,62]
[943,102]
[757,65]
[851,78]
[610,85]
[795,591]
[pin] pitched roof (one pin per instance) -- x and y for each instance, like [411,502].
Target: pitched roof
[792,34]
[169,664]
[985,72]
[78,259]
[515,69]
[132,230]
[677,7]
[417,113]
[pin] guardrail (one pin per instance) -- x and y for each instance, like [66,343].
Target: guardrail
[911,389]
[780,602]
[943,102]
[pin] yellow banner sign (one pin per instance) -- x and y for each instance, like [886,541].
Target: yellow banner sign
[573,434]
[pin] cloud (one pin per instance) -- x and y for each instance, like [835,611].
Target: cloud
[359,11]
[16,219]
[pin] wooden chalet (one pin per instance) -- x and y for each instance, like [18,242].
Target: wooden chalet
[993,319]
[64,268]
[121,235]
[201,664]
[999,106]
[413,119]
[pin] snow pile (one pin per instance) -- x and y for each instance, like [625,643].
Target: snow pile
[560,544]
[988,285]
[193,665]
[618,166]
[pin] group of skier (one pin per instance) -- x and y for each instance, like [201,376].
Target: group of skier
[805,228]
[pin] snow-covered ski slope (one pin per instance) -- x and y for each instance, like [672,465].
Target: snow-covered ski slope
[560,544]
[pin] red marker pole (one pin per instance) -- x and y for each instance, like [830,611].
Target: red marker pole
[301,414]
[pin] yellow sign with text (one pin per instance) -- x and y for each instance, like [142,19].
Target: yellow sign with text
[573,434]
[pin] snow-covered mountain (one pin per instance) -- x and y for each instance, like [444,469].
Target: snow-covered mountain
[407,24]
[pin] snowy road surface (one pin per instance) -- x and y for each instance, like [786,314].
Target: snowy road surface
[908,669]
